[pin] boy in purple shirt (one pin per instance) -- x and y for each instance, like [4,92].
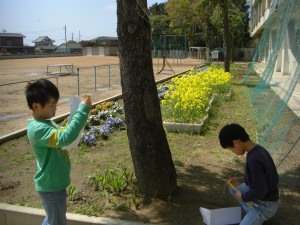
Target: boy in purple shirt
[257,191]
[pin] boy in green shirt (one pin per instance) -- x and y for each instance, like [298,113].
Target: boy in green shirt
[47,139]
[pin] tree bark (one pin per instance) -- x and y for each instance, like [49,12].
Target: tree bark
[150,152]
[226,37]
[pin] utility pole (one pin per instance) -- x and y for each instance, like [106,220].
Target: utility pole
[66,38]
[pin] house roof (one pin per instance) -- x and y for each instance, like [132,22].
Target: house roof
[42,38]
[105,38]
[70,45]
[11,35]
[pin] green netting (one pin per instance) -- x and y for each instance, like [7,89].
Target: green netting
[275,96]
[169,42]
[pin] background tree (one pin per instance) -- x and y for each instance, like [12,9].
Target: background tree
[238,35]
[244,9]
[204,22]
[88,43]
[183,12]
[205,9]
[151,156]
[160,22]
[226,35]
[221,8]
[157,9]
[185,20]
[238,24]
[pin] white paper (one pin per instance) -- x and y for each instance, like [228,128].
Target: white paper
[74,103]
[222,216]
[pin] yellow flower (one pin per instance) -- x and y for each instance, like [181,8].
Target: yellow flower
[189,96]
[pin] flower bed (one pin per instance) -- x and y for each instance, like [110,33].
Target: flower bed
[186,100]
[185,103]
[188,127]
[104,119]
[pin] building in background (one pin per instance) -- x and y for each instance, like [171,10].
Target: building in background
[44,44]
[12,43]
[71,47]
[104,46]
[275,25]
[260,11]
[284,16]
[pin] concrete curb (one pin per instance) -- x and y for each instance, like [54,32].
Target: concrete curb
[17,215]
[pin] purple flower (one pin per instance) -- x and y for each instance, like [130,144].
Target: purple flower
[161,96]
[89,138]
[102,131]
[114,122]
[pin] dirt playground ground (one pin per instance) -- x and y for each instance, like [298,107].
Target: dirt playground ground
[14,111]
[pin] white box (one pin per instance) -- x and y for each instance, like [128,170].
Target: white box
[223,216]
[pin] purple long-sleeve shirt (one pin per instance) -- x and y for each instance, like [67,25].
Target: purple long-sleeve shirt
[261,176]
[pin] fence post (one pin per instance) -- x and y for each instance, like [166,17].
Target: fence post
[56,81]
[95,78]
[173,53]
[78,93]
[157,62]
[109,76]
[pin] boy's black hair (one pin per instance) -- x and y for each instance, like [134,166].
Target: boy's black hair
[231,132]
[40,92]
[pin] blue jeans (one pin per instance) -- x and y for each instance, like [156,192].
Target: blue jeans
[260,211]
[55,205]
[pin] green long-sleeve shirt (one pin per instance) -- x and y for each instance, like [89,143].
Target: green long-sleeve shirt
[47,139]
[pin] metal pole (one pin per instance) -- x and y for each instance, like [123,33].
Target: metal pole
[157,61]
[56,81]
[78,93]
[165,47]
[95,78]
[66,38]
[173,56]
[185,43]
[109,76]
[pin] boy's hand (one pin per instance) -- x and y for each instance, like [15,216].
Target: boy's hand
[87,101]
[236,180]
[238,194]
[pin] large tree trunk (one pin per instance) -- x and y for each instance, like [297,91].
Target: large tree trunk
[150,152]
[226,37]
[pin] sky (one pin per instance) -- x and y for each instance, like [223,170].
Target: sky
[81,19]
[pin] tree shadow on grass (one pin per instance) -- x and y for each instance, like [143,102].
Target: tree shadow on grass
[289,202]
[200,187]
[197,187]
